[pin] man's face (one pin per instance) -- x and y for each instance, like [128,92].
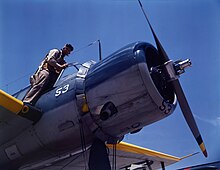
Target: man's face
[66,51]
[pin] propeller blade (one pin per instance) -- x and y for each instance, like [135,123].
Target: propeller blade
[160,49]
[179,92]
[187,113]
[98,158]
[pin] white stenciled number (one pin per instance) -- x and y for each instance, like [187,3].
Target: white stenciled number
[65,88]
[58,91]
[62,90]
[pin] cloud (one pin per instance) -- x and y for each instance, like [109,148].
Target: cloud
[214,122]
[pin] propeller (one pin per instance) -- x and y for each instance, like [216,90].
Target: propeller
[173,73]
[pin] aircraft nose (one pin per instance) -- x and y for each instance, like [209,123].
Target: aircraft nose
[124,81]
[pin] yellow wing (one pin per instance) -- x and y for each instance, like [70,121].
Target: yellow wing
[127,156]
[15,116]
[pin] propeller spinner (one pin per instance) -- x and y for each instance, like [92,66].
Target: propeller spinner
[174,70]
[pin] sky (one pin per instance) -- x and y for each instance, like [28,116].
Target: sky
[185,28]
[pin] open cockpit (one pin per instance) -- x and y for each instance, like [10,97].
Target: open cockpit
[74,69]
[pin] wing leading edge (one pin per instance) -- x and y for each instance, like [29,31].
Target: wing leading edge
[15,116]
[131,156]
[128,156]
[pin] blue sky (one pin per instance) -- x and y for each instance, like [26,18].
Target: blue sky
[186,29]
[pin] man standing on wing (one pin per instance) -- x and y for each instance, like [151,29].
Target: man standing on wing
[47,73]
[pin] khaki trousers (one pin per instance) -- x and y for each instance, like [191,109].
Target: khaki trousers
[43,81]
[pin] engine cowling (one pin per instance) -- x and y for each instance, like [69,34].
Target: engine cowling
[127,91]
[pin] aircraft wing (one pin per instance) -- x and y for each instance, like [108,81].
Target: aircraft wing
[128,156]
[15,117]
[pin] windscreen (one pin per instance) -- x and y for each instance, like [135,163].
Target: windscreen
[68,72]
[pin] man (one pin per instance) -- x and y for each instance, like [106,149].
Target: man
[47,73]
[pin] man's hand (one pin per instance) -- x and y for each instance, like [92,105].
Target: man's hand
[64,66]
[61,67]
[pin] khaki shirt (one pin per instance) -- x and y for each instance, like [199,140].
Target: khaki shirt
[54,61]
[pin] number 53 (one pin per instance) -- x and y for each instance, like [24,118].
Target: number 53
[62,90]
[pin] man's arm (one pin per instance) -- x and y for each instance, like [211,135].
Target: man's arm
[53,54]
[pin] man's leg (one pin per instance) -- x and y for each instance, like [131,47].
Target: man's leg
[37,88]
